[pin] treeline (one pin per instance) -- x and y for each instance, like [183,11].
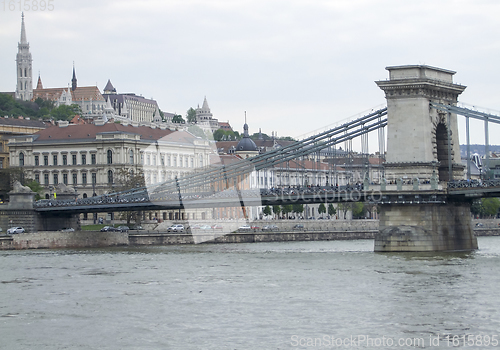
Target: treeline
[39,109]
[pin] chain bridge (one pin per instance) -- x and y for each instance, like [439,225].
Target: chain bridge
[423,191]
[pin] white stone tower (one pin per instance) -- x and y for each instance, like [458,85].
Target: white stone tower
[24,88]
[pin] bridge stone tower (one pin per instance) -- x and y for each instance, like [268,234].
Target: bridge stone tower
[422,141]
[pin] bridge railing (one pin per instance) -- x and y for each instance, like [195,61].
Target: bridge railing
[461,184]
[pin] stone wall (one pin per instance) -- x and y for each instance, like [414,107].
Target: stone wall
[25,218]
[79,239]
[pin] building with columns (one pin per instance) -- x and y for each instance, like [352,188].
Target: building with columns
[89,157]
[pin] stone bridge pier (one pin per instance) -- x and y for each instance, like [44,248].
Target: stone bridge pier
[422,141]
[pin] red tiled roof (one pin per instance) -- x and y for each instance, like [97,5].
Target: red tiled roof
[89,131]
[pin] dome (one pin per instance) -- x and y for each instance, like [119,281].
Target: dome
[246,145]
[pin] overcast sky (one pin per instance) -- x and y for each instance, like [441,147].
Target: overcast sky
[294,66]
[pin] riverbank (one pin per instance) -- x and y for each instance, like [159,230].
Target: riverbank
[311,231]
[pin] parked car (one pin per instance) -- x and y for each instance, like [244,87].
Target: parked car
[109,229]
[14,230]
[270,228]
[137,227]
[298,227]
[244,228]
[205,227]
[67,229]
[216,227]
[479,224]
[123,228]
[176,228]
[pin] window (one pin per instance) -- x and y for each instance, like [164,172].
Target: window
[180,161]
[21,159]
[168,160]
[75,179]
[93,159]
[84,179]
[110,156]
[148,159]
[46,160]
[73,159]
[54,159]
[65,159]
[65,179]
[201,160]
[142,158]
[94,178]
[110,177]
[186,162]
[175,161]
[192,162]
[37,178]
[56,179]
[162,159]
[84,159]
[46,179]
[37,161]
[154,159]
[131,157]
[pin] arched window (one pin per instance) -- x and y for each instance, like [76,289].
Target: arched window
[110,156]
[25,74]
[20,72]
[21,159]
[110,177]
[84,195]
[131,157]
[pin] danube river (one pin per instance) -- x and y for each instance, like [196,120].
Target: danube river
[294,295]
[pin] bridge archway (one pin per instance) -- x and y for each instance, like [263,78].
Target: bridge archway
[442,150]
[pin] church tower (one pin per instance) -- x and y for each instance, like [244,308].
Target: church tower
[24,88]
[73,80]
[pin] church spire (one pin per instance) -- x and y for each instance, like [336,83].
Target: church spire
[23,31]
[39,85]
[24,88]
[73,81]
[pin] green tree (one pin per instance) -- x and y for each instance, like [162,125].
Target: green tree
[277,210]
[219,134]
[64,112]
[298,208]
[267,210]
[331,210]
[358,210]
[286,209]
[191,115]
[477,207]
[35,187]
[490,206]
[322,208]
[178,119]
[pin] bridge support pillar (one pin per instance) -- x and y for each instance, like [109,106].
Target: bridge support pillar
[425,227]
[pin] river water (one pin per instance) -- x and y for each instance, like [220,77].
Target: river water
[293,295]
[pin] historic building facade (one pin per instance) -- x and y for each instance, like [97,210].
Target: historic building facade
[90,157]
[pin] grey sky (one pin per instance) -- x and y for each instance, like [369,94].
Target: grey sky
[294,66]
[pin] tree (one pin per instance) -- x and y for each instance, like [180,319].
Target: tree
[64,112]
[491,206]
[298,208]
[178,119]
[322,208]
[276,210]
[191,115]
[477,208]
[358,210]
[286,209]
[35,187]
[125,179]
[331,210]
[267,210]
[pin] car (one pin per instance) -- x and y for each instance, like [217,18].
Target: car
[479,224]
[298,227]
[137,227]
[176,228]
[123,228]
[196,227]
[270,228]
[244,228]
[109,229]
[14,230]
[67,229]
[216,227]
